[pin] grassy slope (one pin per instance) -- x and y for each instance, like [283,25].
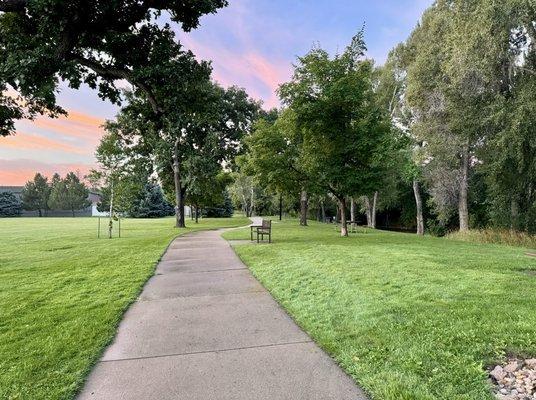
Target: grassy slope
[408,317]
[62,294]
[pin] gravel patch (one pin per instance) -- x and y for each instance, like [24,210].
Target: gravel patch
[515,380]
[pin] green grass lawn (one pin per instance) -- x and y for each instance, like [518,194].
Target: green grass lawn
[409,318]
[63,292]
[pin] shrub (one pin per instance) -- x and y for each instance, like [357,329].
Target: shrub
[497,236]
[436,228]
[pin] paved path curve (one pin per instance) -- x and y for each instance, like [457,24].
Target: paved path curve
[205,329]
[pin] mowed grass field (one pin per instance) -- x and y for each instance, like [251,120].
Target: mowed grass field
[408,318]
[63,292]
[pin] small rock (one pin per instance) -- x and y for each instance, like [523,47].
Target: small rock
[498,373]
[505,397]
[512,366]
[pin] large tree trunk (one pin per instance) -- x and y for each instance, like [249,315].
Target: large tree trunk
[368,210]
[373,211]
[463,209]
[179,197]
[304,206]
[344,227]
[418,204]
[352,210]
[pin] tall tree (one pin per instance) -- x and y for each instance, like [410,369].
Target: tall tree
[200,118]
[121,175]
[243,192]
[274,158]
[69,194]
[465,59]
[44,42]
[345,134]
[392,96]
[35,195]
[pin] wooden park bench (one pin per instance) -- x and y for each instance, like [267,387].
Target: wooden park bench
[264,229]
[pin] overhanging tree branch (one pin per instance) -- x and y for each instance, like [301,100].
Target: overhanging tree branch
[528,70]
[12,5]
[118,73]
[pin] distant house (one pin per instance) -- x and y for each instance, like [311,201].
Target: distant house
[90,211]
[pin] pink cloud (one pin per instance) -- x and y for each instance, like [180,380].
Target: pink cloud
[29,141]
[249,69]
[17,172]
[75,124]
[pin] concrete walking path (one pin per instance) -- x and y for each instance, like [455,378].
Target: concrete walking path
[205,329]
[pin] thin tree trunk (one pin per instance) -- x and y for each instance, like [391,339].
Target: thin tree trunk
[373,211]
[251,203]
[280,207]
[196,214]
[418,204]
[463,209]
[304,206]
[72,210]
[514,214]
[344,227]
[352,210]
[182,210]
[179,205]
[323,208]
[111,216]
[40,213]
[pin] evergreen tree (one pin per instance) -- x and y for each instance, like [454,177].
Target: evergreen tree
[10,206]
[68,194]
[35,195]
[152,204]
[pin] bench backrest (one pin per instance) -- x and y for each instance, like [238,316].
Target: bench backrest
[267,223]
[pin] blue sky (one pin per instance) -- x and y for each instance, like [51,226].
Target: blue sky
[252,44]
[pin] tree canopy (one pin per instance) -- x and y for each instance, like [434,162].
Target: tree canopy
[345,134]
[44,42]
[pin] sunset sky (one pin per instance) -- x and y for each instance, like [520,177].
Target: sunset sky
[252,44]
